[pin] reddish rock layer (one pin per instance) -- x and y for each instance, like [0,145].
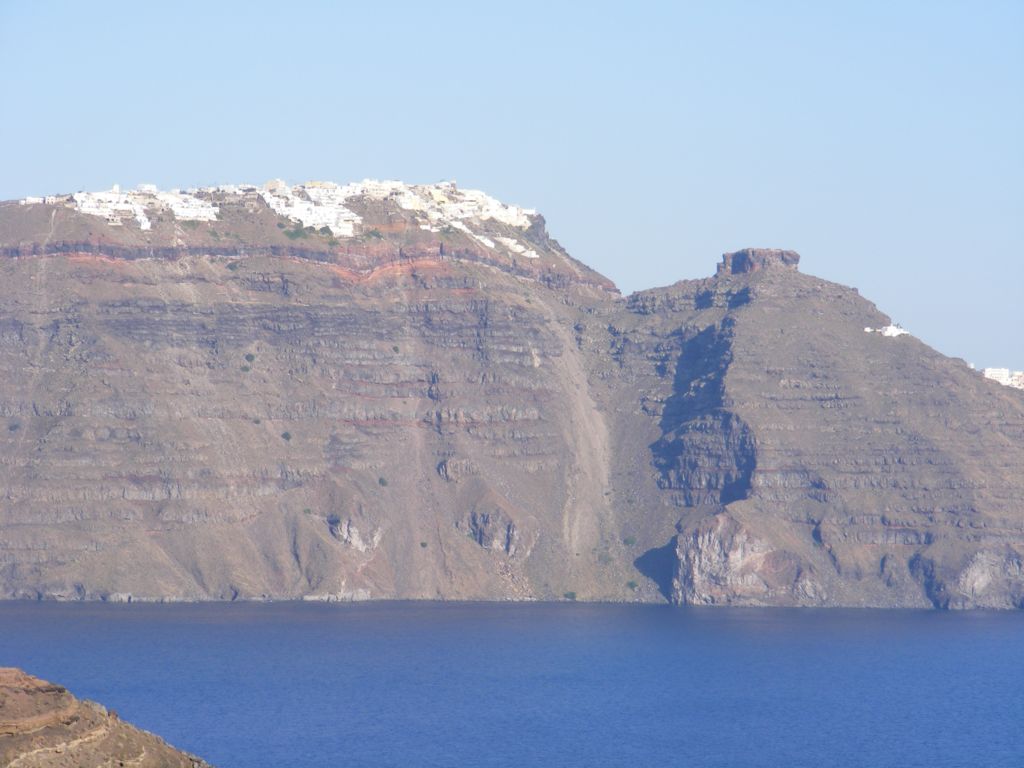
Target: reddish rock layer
[43,726]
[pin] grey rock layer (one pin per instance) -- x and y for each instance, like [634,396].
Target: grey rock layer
[425,422]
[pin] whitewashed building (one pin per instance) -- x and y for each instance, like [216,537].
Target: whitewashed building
[1005,376]
[319,204]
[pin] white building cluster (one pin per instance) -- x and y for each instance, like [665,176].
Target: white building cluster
[890,331]
[316,205]
[114,205]
[187,207]
[444,205]
[1005,376]
[119,207]
[320,204]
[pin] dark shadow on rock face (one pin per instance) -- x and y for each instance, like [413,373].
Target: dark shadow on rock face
[924,572]
[706,452]
[739,298]
[657,564]
[699,380]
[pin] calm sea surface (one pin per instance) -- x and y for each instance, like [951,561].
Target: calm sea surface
[408,684]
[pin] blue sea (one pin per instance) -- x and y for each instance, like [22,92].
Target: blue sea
[469,684]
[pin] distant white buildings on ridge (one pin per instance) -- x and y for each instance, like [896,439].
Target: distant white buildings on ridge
[317,204]
[1005,376]
[890,331]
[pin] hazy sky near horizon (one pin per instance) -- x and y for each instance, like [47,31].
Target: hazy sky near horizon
[884,141]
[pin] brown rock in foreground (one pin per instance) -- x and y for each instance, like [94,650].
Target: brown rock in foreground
[42,726]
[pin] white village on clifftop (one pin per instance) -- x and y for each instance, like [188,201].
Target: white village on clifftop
[322,204]
[315,204]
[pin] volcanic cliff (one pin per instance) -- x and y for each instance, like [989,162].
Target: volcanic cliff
[43,726]
[393,391]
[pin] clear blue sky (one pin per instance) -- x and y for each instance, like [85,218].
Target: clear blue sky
[882,140]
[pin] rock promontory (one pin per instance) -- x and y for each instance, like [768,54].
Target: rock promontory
[42,725]
[754,259]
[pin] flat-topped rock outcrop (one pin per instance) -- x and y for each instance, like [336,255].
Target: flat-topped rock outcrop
[381,390]
[754,259]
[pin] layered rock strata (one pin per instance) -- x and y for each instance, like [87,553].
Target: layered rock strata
[410,413]
[43,726]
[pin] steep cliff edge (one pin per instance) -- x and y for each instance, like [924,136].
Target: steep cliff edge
[812,461]
[405,415]
[412,409]
[43,726]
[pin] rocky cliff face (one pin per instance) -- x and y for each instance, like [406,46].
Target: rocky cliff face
[404,412]
[812,463]
[43,726]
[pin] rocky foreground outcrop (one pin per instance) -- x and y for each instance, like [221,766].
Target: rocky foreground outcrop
[245,408]
[43,726]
